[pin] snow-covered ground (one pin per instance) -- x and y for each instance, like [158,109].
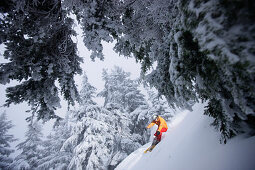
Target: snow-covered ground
[192,144]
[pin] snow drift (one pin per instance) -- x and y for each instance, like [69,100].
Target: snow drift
[192,144]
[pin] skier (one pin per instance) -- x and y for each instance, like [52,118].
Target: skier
[162,127]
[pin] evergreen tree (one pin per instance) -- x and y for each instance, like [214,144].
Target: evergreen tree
[30,149]
[37,35]
[53,155]
[100,21]
[91,133]
[101,137]
[87,92]
[91,137]
[159,105]
[5,140]
[124,99]
[125,142]
[221,121]
[121,91]
[139,120]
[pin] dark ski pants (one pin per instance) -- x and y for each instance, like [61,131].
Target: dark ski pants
[158,137]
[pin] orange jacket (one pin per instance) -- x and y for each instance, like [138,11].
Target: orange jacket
[160,122]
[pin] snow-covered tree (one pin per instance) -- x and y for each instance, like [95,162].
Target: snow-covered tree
[123,99]
[229,43]
[31,149]
[99,20]
[121,91]
[159,105]
[91,137]
[37,35]
[101,136]
[140,118]
[87,92]
[53,155]
[5,140]
[125,142]
[91,133]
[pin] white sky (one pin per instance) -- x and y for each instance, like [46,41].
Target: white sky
[17,114]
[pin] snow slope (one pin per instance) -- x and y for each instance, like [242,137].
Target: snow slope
[192,144]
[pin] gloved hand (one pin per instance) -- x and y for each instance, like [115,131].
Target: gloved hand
[157,133]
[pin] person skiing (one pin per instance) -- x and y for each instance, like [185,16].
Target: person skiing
[162,127]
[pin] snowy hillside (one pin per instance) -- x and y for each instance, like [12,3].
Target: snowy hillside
[192,144]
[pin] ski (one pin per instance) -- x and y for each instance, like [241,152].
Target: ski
[150,148]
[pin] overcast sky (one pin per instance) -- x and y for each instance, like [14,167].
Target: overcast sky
[17,114]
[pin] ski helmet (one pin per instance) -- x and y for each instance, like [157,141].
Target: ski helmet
[155,117]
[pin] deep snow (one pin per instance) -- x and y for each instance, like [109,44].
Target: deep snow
[192,144]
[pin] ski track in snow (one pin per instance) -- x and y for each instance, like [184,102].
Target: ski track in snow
[192,144]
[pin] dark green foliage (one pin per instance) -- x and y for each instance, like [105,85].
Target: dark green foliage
[214,109]
[37,36]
